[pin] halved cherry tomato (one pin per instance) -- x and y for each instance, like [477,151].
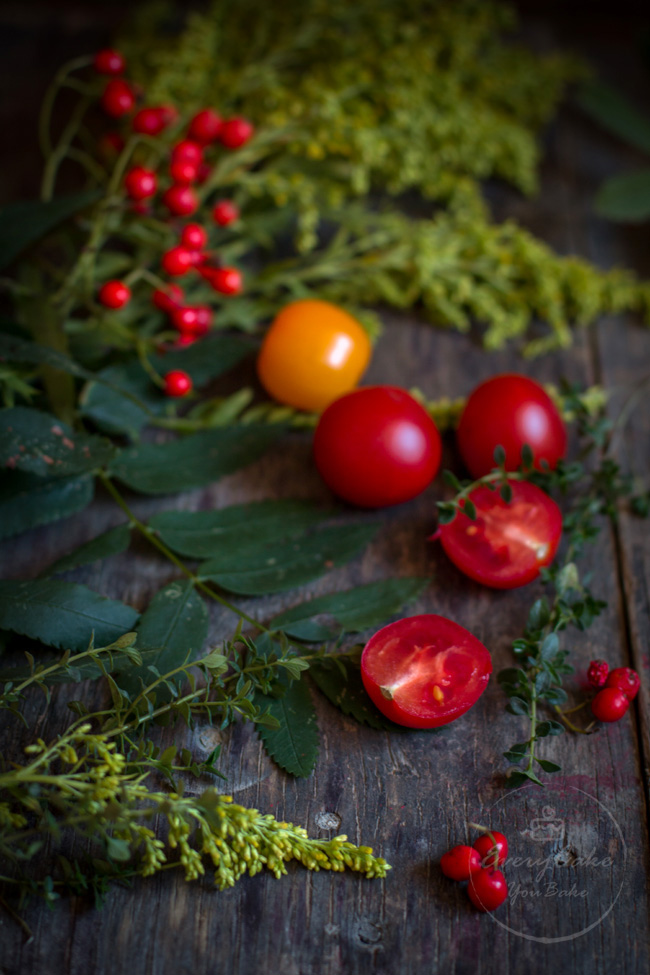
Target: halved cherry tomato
[424,671]
[509,411]
[508,542]
[312,353]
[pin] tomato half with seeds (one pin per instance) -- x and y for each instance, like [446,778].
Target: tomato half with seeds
[424,671]
[508,542]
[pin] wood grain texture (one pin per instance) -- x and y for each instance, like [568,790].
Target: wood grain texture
[411,795]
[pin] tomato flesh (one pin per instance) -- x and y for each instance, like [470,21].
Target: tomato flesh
[424,671]
[508,543]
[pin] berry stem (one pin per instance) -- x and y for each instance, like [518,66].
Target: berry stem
[50,96]
[58,155]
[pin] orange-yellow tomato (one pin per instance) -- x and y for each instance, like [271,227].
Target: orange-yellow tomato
[312,354]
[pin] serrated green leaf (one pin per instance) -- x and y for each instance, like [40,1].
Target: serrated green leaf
[193,461]
[353,610]
[23,223]
[27,500]
[39,443]
[615,112]
[110,542]
[626,197]
[62,614]
[202,534]
[293,745]
[175,627]
[340,681]
[104,404]
[13,348]
[258,569]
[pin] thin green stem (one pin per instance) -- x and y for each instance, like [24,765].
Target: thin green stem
[151,536]
[50,97]
[58,155]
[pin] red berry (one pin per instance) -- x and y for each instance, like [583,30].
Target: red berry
[178,383]
[148,121]
[183,172]
[118,98]
[460,863]
[181,200]
[184,340]
[485,847]
[205,127]
[597,673]
[187,152]
[487,889]
[203,319]
[203,173]
[225,280]
[109,62]
[626,680]
[114,294]
[140,183]
[194,237]
[168,299]
[192,321]
[235,132]
[610,704]
[225,212]
[177,261]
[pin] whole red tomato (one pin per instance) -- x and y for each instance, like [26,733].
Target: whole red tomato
[510,411]
[377,446]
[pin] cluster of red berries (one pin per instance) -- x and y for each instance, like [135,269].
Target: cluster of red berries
[616,689]
[487,888]
[187,167]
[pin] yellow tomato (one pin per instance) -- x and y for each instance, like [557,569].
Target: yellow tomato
[312,354]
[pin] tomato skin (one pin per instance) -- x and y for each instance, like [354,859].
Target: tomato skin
[424,671]
[509,411]
[313,352]
[377,446]
[508,543]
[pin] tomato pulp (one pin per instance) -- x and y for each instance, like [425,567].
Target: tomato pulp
[510,411]
[377,446]
[508,542]
[424,671]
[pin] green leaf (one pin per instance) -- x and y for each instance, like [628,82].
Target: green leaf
[104,404]
[110,542]
[550,646]
[339,678]
[202,534]
[521,776]
[626,197]
[353,610]
[506,493]
[256,569]
[499,456]
[539,615]
[117,849]
[193,461]
[27,500]
[175,627]
[19,350]
[613,111]
[41,444]
[548,766]
[22,224]
[516,705]
[62,614]
[294,744]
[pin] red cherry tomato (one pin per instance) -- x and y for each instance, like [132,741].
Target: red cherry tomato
[610,704]
[424,671]
[626,680]
[510,411]
[508,543]
[485,846]
[377,446]
[487,889]
[460,863]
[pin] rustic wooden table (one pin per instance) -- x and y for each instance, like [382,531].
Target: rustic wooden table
[583,905]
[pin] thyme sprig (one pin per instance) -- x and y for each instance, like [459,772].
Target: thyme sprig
[594,488]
